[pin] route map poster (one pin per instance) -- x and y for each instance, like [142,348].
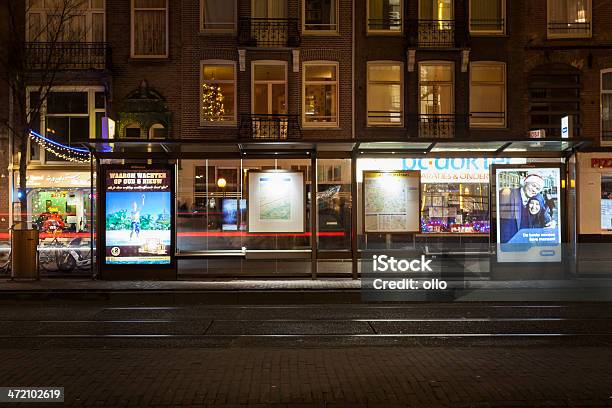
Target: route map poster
[276,201]
[138,216]
[528,214]
[391,201]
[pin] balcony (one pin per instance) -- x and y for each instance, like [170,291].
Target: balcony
[385,25]
[68,55]
[569,29]
[269,32]
[269,127]
[436,34]
[440,126]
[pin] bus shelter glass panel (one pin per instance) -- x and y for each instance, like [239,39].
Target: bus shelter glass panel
[334,204]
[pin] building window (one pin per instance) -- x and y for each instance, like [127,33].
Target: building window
[149,28]
[554,92]
[488,94]
[320,103]
[82,22]
[218,15]
[569,18]
[218,93]
[269,9]
[606,105]
[132,131]
[384,16]
[158,131]
[436,99]
[269,88]
[320,15]
[385,94]
[67,116]
[487,17]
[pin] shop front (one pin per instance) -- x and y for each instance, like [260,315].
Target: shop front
[315,210]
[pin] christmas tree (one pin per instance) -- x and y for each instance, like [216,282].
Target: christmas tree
[212,103]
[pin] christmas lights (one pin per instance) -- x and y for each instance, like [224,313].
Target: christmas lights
[213,109]
[68,153]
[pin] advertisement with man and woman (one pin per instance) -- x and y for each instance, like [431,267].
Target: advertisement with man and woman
[528,214]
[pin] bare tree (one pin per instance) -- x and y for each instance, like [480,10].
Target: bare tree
[33,59]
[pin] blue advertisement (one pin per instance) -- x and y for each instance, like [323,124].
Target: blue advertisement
[528,214]
[138,221]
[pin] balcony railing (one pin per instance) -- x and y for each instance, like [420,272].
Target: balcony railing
[269,127]
[487,119]
[389,24]
[269,32]
[569,28]
[436,34]
[67,55]
[440,126]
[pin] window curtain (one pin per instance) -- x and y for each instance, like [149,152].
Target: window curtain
[270,9]
[219,14]
[568,11]
[486,11]
[150,32]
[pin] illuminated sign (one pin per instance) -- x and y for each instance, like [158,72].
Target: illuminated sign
[138,216]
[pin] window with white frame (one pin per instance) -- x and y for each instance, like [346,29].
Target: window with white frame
[569,18]
[487,17]
[218,93]
[320,90]
[65,21]
[269,88]
[218,15]
[436,93]
[384,16]
[488,94]
[606,105]
[67,116]
[320,15]
[384,93]
[149,28]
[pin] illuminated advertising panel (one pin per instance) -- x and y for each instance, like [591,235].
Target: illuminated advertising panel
[138,219]
[606,202]
[528,202]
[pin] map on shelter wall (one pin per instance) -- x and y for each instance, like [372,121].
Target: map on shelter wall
[274,198]
[391,201]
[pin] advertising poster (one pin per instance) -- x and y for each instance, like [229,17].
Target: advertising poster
[528,214]
[231,212]
[138,216]
[276,201]
[606,202]
[391,201]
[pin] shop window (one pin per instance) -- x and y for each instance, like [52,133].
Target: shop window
[569,18]
[81,22]
[149,29]
[385,93]
[320,16]
[334,204]
[606,105]
[487,17]
[218,96]
[487,94]
[68,116]
[384,16]
[320,104]
[554,92]
[218,15]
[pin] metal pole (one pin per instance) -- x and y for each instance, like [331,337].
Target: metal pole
[313,214]
[354,215]
[91,213]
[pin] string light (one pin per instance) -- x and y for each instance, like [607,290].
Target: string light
[213,108]
[68,153]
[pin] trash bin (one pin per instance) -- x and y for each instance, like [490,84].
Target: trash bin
[24,253]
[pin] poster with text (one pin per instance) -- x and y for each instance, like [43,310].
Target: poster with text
[528,214]
[391,201]
[276,201]
[138,216]
[606,202]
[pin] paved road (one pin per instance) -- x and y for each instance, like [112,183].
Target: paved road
[463,355]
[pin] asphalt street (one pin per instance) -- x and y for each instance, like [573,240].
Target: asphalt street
[417,354]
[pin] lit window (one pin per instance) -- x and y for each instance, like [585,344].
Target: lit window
[320,15]
[436,100]
[269,88]
[385,16]
[149,28]
[569,18]
[487,16]
[218,93]
[385,104]
[218,15]
[487,94]
[606,105]
[320,104]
